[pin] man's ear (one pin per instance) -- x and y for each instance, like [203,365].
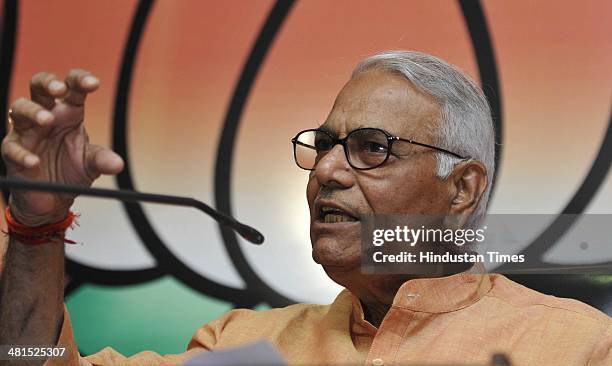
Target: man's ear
[469,180]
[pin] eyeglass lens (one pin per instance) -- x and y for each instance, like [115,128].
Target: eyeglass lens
[367,148]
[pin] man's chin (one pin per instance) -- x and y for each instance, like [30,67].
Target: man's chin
[337,264]
[335,244]
[335,257]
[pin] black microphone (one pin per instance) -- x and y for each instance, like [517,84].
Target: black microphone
[247,232]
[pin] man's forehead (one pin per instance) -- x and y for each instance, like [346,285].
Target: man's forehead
[383,100]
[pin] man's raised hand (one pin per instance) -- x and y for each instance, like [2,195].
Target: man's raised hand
[47,141]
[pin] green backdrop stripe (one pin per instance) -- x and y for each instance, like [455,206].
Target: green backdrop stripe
[102,316]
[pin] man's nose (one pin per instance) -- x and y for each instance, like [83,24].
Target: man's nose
[334,170]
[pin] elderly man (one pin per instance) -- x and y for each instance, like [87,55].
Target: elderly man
[408,134]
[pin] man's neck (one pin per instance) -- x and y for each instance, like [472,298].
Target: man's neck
[376,297]
[374,313]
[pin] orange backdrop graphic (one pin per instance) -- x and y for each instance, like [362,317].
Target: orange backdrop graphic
[136,289]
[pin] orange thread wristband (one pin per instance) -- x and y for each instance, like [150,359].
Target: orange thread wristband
[40,234]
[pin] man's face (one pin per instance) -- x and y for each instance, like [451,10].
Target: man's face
[406,183]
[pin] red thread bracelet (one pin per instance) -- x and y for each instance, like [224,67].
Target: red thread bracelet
[40,234]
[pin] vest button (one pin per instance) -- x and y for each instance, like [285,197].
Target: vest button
[377,362]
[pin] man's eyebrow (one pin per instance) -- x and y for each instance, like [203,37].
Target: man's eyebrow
[326,128]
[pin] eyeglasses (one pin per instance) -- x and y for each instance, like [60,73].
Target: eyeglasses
[365,148]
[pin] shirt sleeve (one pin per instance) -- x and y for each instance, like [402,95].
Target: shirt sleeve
[202,340]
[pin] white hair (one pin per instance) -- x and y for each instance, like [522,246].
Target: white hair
[465,126]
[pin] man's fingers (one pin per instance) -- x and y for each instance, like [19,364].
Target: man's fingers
[80,83]
[45,87]
[25,114]
[100,160]
[14,152]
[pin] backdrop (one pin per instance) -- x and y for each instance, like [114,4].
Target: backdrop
[201,98]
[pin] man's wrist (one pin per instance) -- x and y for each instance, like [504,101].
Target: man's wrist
[23,217]
[53,232]
[38,220]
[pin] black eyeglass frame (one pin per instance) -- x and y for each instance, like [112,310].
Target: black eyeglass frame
[390,139]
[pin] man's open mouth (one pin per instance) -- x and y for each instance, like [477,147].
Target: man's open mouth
[332,215]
